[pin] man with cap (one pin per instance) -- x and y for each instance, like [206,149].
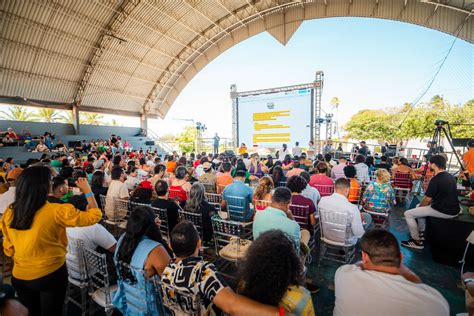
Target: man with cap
[8,197]
[208,178]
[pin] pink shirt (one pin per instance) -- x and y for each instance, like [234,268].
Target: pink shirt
[294,172]
[320,179]
[338,171]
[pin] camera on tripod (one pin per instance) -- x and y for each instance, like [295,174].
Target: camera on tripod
[441,122]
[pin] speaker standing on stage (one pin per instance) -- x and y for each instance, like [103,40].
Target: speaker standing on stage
[216,144]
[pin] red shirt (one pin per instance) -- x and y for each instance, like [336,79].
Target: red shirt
[304,201]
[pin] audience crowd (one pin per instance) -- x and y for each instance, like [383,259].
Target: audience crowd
[284,202]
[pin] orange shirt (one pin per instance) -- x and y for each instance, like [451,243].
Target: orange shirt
[468,159]
[354,191]
[223,181]
[170,166]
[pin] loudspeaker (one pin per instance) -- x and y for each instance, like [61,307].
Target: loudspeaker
[150,143]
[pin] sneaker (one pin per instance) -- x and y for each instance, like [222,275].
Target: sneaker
[412,243]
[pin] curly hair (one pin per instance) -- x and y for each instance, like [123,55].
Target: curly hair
[382,175]
[270,267]
[296,184]
[265,186]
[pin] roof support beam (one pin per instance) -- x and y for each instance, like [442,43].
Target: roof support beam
[104,42]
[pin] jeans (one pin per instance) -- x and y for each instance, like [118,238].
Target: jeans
[43,296]
[420,213]
[366,220]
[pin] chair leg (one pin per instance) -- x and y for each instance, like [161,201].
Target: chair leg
[84,301]
[66,299]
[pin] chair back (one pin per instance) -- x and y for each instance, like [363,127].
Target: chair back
[282,184]
[402,180]
[98,276]
[224,230]
[121,212]
[180,302]
[195,218]
[236,208]
[324,190]
[142,293]
[75,264]
[103,202]
[301,215]
[426,181]
[335,227]
[213,197]
[162,214]
[209,187]
[220,188]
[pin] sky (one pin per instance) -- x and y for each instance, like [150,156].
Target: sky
[367,63]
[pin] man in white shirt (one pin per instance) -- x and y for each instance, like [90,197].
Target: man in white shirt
[117,190]
[337,202]
[296,151]
[247,161]
[8,197]
[382,285]
[338,170]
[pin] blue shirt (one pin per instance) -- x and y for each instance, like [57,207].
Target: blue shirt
[239,189]
[272,218]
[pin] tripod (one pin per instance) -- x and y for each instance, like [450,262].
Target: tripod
[436,140]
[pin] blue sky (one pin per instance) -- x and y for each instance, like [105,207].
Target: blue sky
[368,63]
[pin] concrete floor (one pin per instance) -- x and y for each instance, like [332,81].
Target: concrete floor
[446,279]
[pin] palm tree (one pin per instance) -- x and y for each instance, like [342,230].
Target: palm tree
[16,113]
[88,118]
[335,102]
[114,122]
[48,116]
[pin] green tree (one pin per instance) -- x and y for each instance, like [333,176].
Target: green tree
[88,118]
[335,102]
[48,116]
[187,138]
[370,124]
[17,113]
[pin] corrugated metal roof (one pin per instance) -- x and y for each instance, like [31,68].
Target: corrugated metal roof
[138,55]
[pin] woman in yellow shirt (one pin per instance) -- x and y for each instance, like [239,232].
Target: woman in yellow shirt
[242,149]
[35,236]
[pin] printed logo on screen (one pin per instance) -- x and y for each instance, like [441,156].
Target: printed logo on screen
[270,105]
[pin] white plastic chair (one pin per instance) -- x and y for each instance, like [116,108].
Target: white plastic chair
[78,283]
[336,232]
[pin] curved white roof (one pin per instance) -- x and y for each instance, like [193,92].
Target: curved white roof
[134,56]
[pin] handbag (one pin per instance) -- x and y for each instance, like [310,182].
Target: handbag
[235,249]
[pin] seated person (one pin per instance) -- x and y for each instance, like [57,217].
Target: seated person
[192,275]
[379,195]
[383,163]
[143,193]
[41,147]
[263,193]
[320,179]
[225,178]
[59,188]
[278,176]
[197,204]
[337,202]
[93,236]
[381,276]
[297,184]
[403,167]
[141,246]
[440,200]
[362,170]
[354,193]
[180,185]
[279,216]
[208,178]
[296,170]
[310,192]
[338,170]
[260,273]
[240,190]
[162,202]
